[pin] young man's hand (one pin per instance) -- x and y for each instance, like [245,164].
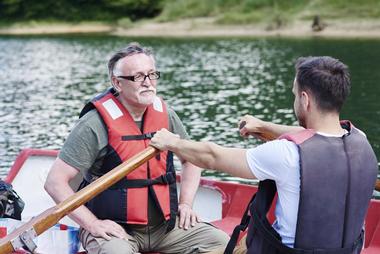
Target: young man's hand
[164,139]
[250,126]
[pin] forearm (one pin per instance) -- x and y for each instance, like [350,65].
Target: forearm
[204,154]
[190,178]
[57,186]
[200,154]
[81,215]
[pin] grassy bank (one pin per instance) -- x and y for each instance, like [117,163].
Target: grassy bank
[273,13]
[352,18]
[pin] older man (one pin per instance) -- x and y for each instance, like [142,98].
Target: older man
[139,213]
[324,175]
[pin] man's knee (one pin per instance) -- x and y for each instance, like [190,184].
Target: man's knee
[99,245]
[219,237]
[117,246]
[214,239]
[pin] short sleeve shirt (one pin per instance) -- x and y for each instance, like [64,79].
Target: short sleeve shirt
[279,161]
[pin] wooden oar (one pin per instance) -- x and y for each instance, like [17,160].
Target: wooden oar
[267,136]
[377,186]
[24,234]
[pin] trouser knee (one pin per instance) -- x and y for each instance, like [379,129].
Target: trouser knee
[117,246]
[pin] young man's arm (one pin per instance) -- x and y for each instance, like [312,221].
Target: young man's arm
[205,154]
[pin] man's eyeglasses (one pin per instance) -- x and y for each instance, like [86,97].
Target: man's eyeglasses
[141,77]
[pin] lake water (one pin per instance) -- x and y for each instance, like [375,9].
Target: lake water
[210,83]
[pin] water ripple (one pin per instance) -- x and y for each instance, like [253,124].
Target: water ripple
[45,82]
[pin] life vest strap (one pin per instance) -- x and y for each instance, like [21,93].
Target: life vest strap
[167,178]
[239,228]
[144,136]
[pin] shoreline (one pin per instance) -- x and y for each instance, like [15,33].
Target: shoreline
[205,27]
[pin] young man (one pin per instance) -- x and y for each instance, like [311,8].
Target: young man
[139,213]
[324,174]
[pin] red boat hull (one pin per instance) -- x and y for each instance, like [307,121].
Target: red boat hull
[234,198]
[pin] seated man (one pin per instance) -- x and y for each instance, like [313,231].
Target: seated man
[139,213]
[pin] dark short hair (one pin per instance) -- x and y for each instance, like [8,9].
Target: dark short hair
[131,49]
[326,78]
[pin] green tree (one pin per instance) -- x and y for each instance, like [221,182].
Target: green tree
[76,10]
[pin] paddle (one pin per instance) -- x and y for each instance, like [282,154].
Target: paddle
[23,235]
[377,185]
[264,136]
[270,136]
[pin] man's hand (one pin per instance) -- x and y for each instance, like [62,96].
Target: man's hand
[187,216]
[106,229]
[266,131]
[164,139]
[253,126]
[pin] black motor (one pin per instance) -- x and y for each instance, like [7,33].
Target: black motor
[11,205]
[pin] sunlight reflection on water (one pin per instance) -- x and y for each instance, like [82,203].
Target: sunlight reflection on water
[209,82]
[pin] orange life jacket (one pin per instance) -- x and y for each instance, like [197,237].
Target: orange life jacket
[127,200]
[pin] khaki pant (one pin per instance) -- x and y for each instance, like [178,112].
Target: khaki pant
[201,238]
[241,247]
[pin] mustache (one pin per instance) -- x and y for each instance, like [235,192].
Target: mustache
[147,90]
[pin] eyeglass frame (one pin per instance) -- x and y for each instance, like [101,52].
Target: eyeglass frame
[132,78]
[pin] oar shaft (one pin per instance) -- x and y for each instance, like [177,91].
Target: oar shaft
[51,216]
[377,186]
[107,180]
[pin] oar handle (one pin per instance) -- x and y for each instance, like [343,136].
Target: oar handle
[377,185]
[261,135]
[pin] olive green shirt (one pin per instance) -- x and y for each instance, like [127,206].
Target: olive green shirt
[86,146]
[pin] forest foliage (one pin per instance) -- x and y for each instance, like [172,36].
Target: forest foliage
[224,11]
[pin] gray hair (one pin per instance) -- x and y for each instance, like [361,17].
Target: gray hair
[132,49]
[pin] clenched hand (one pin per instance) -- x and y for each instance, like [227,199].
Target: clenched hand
[164,139]
[250,125]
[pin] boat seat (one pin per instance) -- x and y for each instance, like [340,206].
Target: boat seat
[372,229]
[234,209]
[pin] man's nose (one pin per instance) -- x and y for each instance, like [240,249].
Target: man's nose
[147,82]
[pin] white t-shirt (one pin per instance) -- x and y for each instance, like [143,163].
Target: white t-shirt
[278,160]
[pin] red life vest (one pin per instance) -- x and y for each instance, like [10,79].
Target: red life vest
[127,200]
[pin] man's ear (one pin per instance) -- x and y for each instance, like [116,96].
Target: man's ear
[116,84]
[305,100]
